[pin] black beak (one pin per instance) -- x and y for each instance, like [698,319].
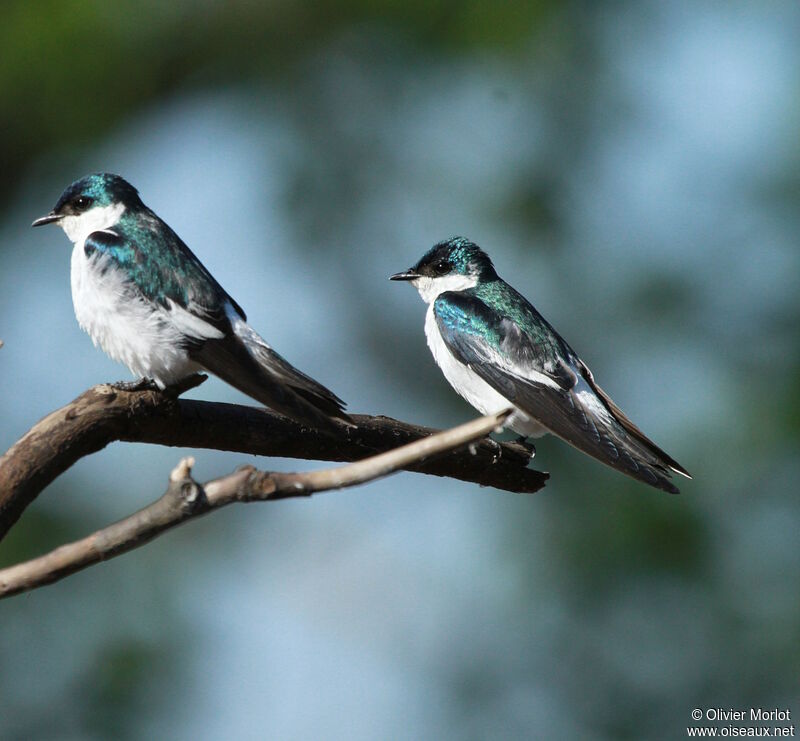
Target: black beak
[48,219]
[409,274]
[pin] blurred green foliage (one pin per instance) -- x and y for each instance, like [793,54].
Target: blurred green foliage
[71,70]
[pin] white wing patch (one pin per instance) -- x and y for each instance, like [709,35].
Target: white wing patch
[191,324]
[590,401]
[243,330]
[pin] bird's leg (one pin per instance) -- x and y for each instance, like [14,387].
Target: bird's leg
[141,384]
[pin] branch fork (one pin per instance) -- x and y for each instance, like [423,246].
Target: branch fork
[378,446]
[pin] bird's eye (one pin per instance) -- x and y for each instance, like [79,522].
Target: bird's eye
[81,203]
[442,267]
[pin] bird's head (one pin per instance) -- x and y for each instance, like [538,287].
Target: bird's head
[92,203]
[452,265]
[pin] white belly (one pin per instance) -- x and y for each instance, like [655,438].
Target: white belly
[472,387]
[125,325]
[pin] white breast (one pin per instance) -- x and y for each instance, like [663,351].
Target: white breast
[471,386]
[130,329]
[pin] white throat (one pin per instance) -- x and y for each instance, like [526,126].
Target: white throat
[96,219]
[431,288]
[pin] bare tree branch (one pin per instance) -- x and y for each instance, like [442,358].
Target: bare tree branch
[185,499]
[105,414]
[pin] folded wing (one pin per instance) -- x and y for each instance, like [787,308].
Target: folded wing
[215,333]
[554,388]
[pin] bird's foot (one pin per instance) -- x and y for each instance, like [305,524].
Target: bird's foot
[497,449]
[141,384]
[148,384]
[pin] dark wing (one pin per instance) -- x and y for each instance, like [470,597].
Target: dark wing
[162,269]
[550,388]
[177,281]
[248,363]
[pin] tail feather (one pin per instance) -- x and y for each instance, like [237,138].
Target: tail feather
[312,391]
[614,440]
[247,363]
[583,417]
[635,456]
[603,438]
[649,450]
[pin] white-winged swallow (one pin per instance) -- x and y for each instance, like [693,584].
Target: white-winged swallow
[144,297]
[497,351]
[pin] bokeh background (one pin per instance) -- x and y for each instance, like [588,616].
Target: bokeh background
[632,167]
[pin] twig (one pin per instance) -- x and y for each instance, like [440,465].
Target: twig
[105,414]
[185,499]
